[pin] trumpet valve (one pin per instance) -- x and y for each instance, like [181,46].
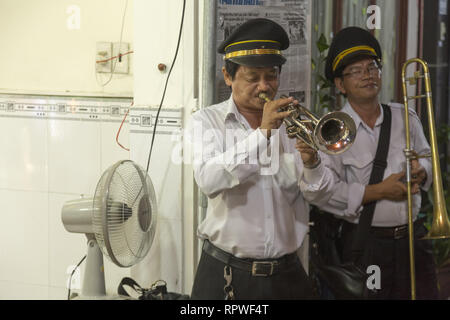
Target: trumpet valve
[291,129]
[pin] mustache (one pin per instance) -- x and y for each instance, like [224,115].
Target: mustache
[369,83]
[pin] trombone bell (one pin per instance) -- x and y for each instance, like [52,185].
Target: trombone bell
[440,227]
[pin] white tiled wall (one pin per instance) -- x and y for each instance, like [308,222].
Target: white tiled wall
[24,237]
[24,164]
[164,261]
[45,162]
[73,155]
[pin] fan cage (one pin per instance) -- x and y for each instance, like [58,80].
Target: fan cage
[125,222]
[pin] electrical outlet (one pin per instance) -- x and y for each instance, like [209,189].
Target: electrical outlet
[121,65]
[104,52]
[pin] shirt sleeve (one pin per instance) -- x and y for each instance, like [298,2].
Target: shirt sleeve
[337,196]
[316,184]
[216,170]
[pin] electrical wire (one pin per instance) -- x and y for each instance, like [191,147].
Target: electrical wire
[163,95]
[120,45]
[120,128]
[120,55]
[70,279]
[165,86]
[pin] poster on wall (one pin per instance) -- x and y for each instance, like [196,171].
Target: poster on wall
[294,17]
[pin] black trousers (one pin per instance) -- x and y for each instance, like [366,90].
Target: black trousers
[289,283]
[392,256]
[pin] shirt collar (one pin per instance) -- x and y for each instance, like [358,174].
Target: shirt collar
[348,109]
[232,112]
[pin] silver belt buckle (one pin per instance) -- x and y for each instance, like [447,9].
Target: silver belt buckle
[398,232]
[255,265]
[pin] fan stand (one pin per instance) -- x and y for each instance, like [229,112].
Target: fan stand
[94,274]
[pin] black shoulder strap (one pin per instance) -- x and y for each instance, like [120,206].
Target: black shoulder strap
[376,176]
[130,283]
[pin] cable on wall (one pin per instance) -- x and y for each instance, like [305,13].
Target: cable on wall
[118,56]
[120,128]
[165,86]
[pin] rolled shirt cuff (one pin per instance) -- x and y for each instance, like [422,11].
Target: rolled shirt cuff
[313,176]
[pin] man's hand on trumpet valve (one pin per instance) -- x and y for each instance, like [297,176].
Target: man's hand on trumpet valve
[272,118]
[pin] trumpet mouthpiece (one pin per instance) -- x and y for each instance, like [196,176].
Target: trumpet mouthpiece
[263,96]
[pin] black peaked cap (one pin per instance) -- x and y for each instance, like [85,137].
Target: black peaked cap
[256,43]
[346,45]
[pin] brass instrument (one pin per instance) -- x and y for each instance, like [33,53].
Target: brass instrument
[334,133]
[440,228]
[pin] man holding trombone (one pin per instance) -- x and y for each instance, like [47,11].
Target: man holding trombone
[354,65]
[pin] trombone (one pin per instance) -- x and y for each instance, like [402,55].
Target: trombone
[334,133]
[440,228]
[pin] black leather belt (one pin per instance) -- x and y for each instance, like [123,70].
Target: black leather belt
[263,267]
[395,233]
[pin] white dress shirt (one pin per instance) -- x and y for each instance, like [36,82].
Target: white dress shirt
[255,207]
[352,169]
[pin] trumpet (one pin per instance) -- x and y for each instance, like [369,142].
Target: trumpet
[440,228]
[334,133]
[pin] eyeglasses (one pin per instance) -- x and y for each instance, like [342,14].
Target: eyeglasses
[358,72]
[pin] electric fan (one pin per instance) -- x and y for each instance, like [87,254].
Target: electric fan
[119,221]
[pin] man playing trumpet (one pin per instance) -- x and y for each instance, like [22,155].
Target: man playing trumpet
[257,217]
